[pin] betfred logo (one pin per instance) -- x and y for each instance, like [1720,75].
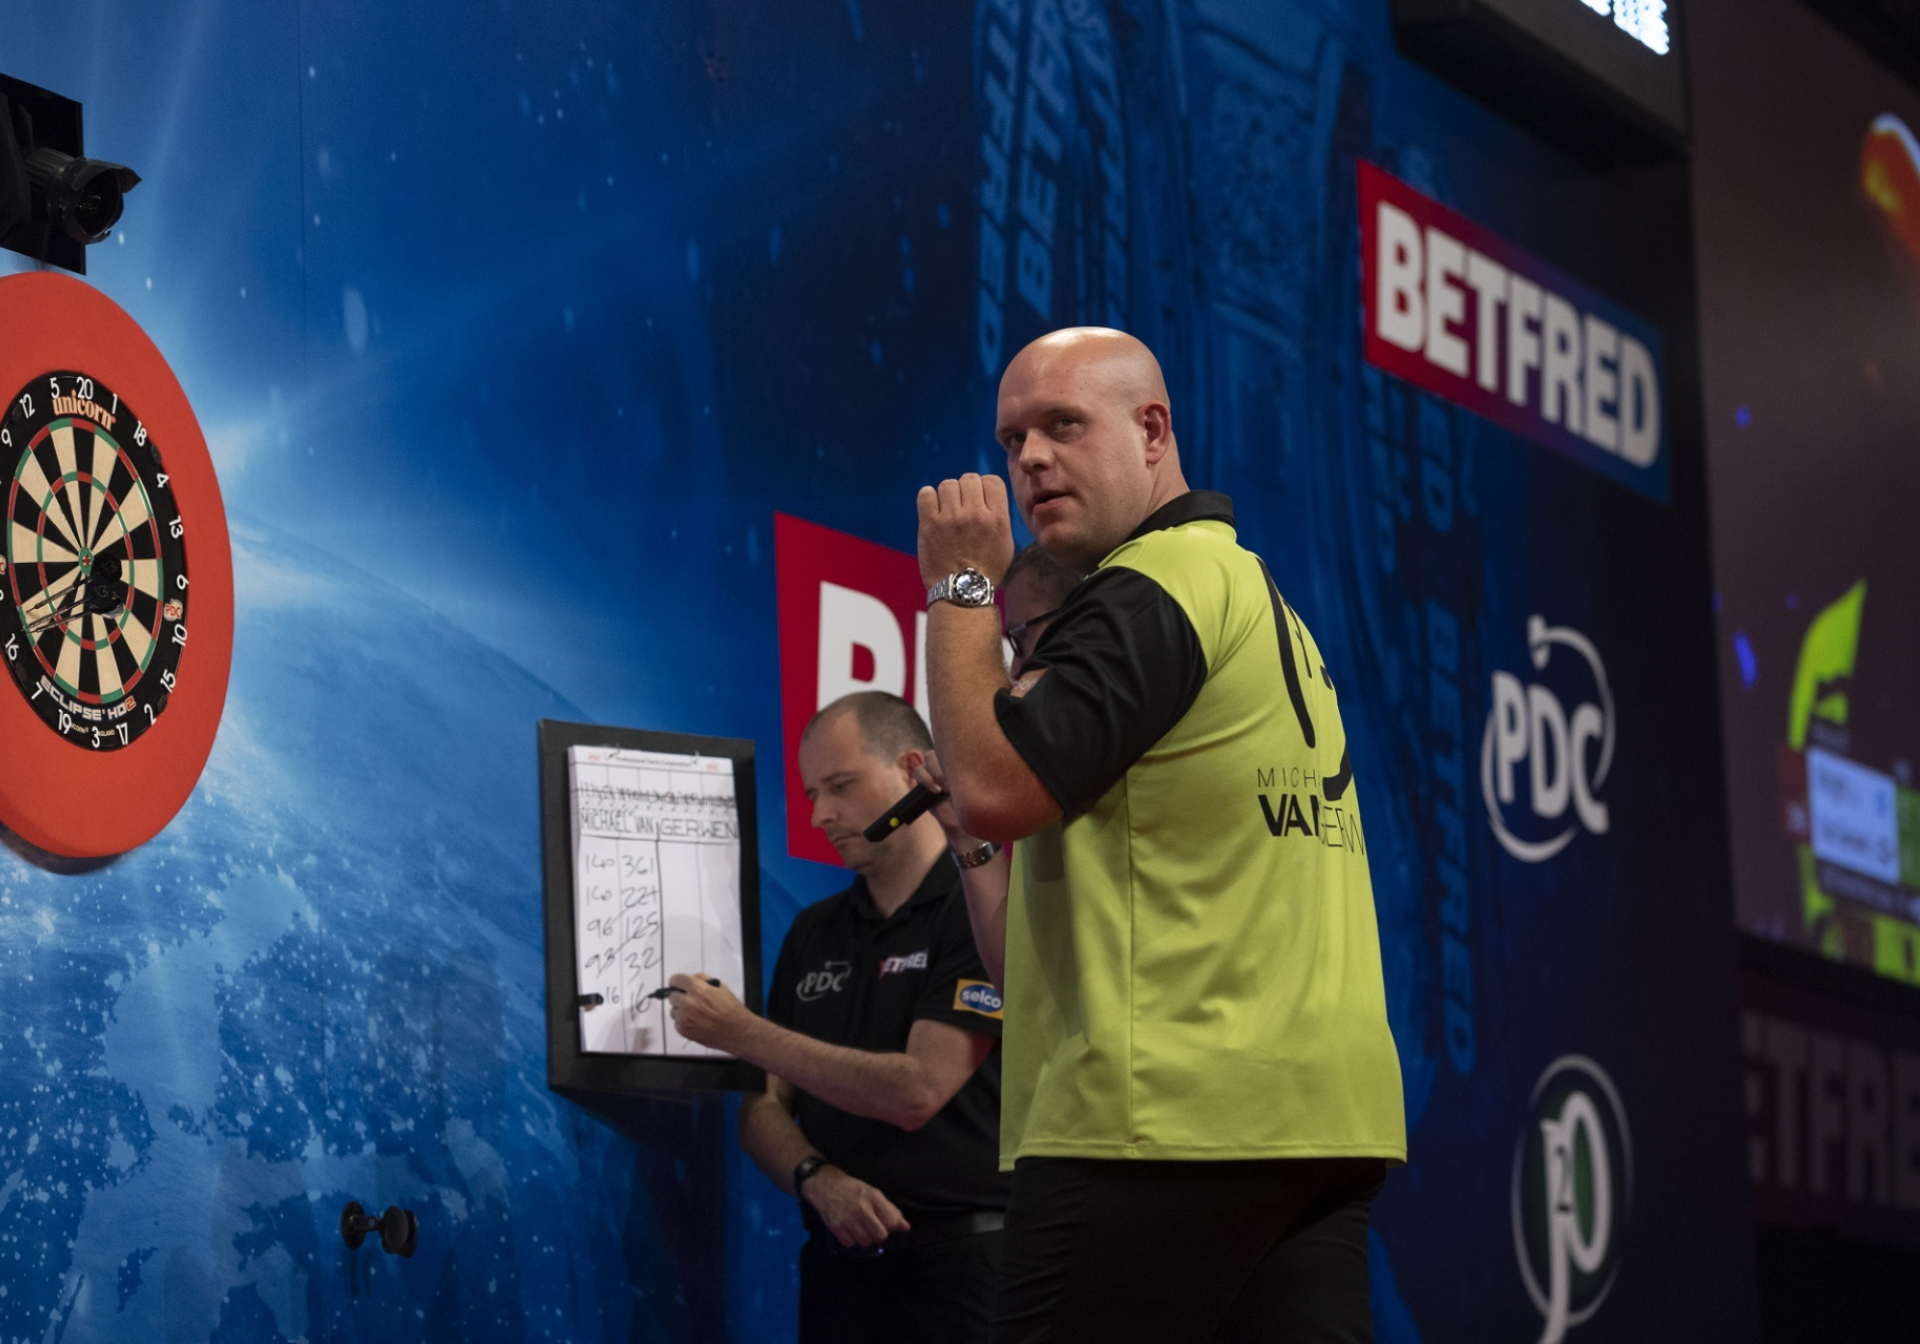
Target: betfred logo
[1456,310]
[1572,1191]
[1538,759]
[853,617]
[913,961]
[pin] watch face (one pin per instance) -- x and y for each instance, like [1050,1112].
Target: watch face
[971,589]
[93,608]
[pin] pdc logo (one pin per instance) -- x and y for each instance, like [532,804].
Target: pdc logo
[1534,746]
[830,979]
[1572,1187]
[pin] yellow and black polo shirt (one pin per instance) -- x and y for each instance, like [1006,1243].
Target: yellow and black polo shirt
[1193,965]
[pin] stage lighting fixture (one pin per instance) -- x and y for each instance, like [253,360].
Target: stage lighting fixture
[54,200]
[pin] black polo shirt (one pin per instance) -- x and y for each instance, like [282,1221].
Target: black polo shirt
[849,977]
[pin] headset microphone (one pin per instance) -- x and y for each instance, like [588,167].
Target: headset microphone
[903,813]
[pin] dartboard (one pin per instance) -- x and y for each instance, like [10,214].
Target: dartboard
[116,545]
[96,565]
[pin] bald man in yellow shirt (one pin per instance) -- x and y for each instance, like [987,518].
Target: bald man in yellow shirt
[1201,1094]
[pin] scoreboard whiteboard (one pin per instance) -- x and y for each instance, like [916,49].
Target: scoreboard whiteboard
[651,872]
[656,883]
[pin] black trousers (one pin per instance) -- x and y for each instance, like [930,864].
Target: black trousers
[940,1293]
[1266,1252]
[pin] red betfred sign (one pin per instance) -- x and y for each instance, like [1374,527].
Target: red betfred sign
[853,617]
[1461,313]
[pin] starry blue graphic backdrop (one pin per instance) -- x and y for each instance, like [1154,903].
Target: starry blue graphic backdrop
[510,329]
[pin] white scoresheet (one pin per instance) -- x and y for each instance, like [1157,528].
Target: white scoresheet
[656,883]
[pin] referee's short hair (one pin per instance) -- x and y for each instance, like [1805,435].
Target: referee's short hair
[889,725]
[1050,580]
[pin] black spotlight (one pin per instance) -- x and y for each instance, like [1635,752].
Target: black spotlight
[54,200]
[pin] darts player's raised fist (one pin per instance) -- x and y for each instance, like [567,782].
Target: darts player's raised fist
[964,524]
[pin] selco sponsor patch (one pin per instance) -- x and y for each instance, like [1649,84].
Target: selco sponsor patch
[977,996]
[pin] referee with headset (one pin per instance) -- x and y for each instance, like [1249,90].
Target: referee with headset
[1200,1093]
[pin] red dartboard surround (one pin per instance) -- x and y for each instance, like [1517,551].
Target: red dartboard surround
[57,793]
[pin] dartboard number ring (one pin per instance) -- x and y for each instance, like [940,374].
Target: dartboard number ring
[95,586]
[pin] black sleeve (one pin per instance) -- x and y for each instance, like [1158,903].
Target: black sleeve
[1123,665]
[957,989]
[780,991]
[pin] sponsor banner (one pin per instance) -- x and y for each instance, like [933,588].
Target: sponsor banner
[1055,218]
[1572,1192]
[1548,746]
[1453,308]
[852,618]
[1833,1109]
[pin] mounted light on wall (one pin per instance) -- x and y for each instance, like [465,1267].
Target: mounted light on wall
[54,200]
[1604,79]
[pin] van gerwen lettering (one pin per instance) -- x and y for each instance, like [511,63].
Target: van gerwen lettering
[1302,802]
[625,811]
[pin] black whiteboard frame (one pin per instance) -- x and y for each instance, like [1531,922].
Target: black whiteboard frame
[570,1070]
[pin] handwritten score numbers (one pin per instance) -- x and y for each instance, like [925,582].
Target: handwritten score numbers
[656,850]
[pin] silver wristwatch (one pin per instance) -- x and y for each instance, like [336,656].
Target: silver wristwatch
[977,857]
[964,588]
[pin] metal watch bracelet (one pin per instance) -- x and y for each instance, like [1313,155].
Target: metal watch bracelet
[980,855]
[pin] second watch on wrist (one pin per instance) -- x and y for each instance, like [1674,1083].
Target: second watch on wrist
[976,856]
[806,1168]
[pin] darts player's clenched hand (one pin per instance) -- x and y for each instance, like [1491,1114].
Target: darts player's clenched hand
[964,524]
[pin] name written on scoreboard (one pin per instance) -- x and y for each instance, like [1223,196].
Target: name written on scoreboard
[657,813]
[1460,312]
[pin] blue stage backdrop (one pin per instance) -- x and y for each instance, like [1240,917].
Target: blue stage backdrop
[512,329]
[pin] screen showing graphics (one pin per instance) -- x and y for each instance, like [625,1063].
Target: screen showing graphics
[1807,199]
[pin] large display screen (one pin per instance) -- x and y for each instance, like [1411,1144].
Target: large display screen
[1807,183]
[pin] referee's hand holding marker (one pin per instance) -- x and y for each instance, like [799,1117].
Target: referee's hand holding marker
[707,1013]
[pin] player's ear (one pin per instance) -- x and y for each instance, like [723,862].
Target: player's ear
[910,761]
[1156,421]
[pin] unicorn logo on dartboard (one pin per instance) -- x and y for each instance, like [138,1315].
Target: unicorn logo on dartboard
[1572,1192]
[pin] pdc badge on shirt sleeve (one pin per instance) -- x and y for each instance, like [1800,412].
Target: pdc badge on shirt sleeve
[977,996]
